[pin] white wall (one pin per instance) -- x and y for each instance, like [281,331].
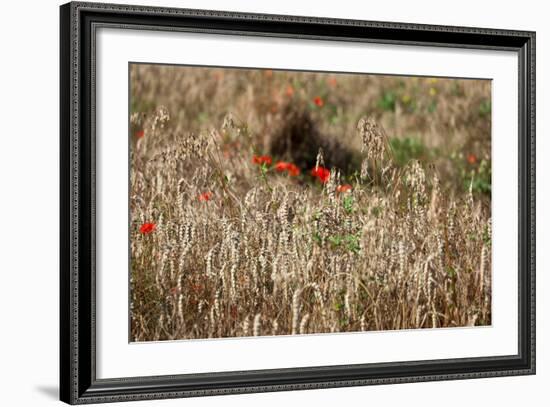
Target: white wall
[29,163]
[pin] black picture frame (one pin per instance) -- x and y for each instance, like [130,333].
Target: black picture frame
[78,382]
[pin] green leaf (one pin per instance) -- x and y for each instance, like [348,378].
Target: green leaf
[485,108]
[263,169]
[348,204]
[387,101]
[335,240]
[432,107]
[352,243]
[317,237]
[451,272]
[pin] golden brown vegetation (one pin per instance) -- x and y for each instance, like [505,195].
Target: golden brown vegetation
[226,242]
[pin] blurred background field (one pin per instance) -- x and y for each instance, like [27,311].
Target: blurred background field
[271,202]
[439,121]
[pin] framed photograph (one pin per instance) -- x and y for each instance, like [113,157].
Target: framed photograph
[255,203]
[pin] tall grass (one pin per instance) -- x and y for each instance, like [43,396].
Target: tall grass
[238,248]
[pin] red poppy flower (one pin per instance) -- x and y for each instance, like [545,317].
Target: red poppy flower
[262,159]
[318,101]
[322,173]
[332,82]
[344,188]
[282,166]
[471,158]
[293,170]
[205,196]
[147,228]
[140,134]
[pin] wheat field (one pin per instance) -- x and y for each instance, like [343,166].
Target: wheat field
[277,202]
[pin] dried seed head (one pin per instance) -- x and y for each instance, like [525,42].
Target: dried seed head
[229,122]
[160,118]
[416,180]
[303,324]
[372,138]
[257,325]
[319,162]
